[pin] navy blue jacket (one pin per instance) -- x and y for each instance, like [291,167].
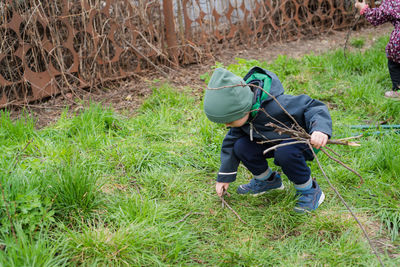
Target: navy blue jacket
[311,114]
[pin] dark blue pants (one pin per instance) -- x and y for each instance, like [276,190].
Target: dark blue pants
[292,158]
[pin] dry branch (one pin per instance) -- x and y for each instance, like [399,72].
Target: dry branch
[296,124]
[331,150]
[148,60]
[349,32]
[229,207]
[344,165]
[347,206]
[351,137]
[303,135]
[187,215]
[284,144]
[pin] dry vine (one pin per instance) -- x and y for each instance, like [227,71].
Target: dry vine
[68,45]
[54,47]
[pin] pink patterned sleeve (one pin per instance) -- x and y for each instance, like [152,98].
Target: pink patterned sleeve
[379,15]
[362,11]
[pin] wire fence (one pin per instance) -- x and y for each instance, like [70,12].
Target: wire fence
[48,47]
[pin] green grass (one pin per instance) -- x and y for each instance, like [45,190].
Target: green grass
[357,42]
[98,188]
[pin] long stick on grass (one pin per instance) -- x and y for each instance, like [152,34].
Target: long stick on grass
[344,165]
[229,207]
[347,206]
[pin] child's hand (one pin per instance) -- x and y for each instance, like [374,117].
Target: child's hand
[221,188]
[318,139]
[360,5]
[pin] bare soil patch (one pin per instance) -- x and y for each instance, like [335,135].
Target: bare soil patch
[127,95]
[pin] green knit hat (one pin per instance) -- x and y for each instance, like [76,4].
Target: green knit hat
[229,103]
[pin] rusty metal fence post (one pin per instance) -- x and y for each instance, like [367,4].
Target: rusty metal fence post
[170,30]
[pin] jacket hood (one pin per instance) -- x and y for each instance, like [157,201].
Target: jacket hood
[276,85]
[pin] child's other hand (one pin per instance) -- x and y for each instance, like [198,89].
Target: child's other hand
[360,5]
[221,188]
[318,139]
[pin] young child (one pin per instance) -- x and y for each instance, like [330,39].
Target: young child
[388,11]
[239,107]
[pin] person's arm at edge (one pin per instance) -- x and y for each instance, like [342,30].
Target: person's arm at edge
[375,16]
[229,161]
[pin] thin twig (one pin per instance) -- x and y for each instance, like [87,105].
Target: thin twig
[348,35]
[158,51]
[288,131]
[296,133]
[351,137]
[270,95]
[307,137]
[344,143]
[344,165]
[274,140]
[187,215]
[283,109]
[272,118]
[226,86]
[229,207]
[347,206]
[17,157]
[334,152]
[148,60]
[284,144]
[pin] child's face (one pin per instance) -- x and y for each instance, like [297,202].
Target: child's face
[239,122]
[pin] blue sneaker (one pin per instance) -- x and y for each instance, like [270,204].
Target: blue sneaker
[258,187]
[310,199]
